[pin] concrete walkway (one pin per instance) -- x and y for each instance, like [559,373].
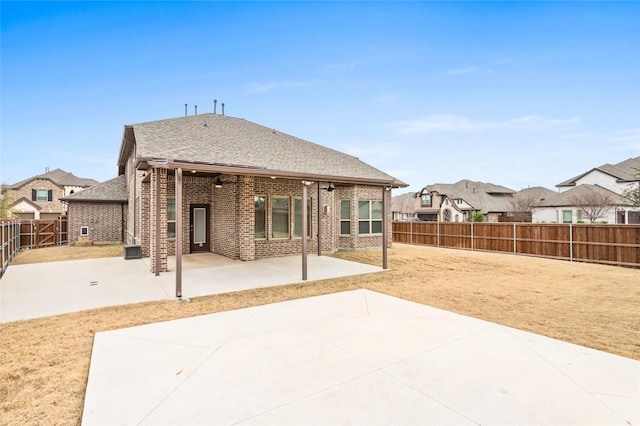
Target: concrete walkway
[359,358]
[45,289]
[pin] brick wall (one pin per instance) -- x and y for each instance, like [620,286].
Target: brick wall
[106,221]
[354,194]
[271,247]
[224,215]
[161,251]
[232,211]
[195,190]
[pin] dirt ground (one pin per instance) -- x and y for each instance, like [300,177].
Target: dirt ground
[45,362]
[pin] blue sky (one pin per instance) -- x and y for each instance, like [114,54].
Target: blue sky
[514,93]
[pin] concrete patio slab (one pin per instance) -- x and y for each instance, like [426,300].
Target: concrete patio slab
[356,357]
[53,288]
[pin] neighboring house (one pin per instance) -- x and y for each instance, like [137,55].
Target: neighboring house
[403,207]
[607,182]
[459,201]
[522,203]
[98,212]
[39,196]
[238,187]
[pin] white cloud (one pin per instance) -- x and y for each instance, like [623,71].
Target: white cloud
[458,123]
[627,140]
[339,67]
[256,87]
[469,70]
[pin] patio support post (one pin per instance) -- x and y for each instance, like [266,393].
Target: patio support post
[157,236]
[179,233]
[319,222]
[385,224]
[304,229]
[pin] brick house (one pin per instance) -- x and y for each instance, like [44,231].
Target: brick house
[225,185]
[99,212]
[39,197]
[458,202]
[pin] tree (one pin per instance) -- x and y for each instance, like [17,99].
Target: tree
[477,216]
[593,203]
[5,202]
[631,195]
[522,203]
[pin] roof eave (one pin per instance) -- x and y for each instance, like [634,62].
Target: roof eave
[263,172]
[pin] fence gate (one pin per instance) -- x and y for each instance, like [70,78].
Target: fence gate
[43,233]
[46,233]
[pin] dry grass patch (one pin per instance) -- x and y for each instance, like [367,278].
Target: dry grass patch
[60,253]
[45,362]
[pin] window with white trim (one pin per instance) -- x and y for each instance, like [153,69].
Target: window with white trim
[260,216]
[345,217]
[280,217]
[369,217]
[171,217]
[297,217]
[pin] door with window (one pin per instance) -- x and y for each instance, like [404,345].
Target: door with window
[199,240]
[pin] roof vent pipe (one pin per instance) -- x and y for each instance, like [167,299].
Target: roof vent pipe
[215,104]
[222,108]
[196,109]
[185,110]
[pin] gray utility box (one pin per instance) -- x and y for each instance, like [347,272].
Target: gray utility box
[132,252]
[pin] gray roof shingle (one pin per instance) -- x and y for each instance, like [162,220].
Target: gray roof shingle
[223,140]
[113,190]
[60,178]
[487,197]
[567,198]
[624,171]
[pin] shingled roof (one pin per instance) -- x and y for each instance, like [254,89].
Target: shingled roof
[60,178]
[487,197]
[568,198]
[227,141]
[114,190]
[624,171]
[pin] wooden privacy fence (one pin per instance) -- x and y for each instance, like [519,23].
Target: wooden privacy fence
[16,235]
[10,239]
[43,233]
[609,244]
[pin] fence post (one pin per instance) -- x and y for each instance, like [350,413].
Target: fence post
[438,232]
[2,238]
[18,239]
[410,232]
[471,235]
[571,242]
[515,242]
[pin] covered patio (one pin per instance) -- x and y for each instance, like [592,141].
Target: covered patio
[54,288]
